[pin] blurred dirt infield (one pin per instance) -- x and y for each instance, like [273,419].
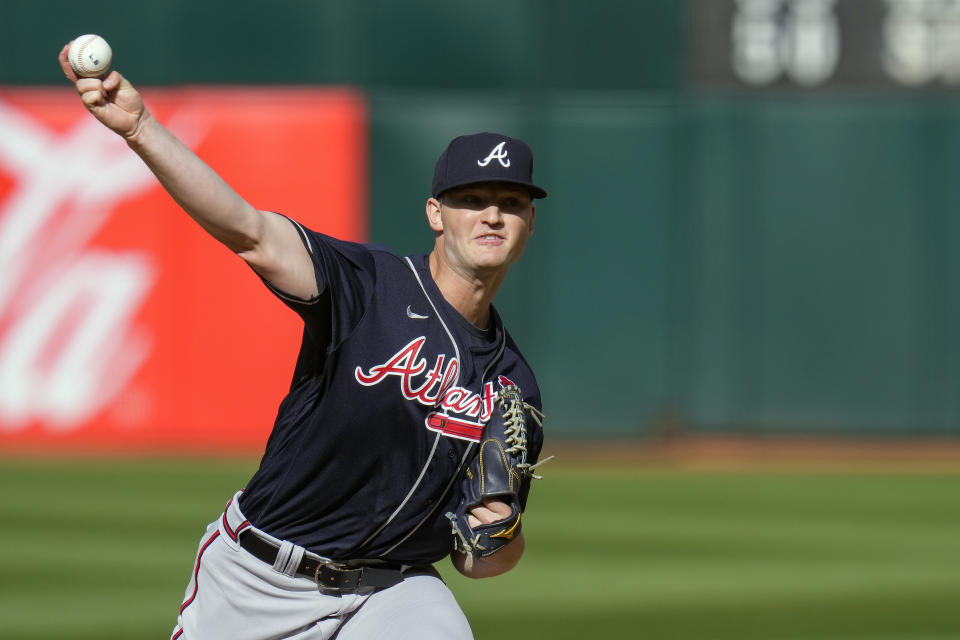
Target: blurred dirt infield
[745,452]
[693,452]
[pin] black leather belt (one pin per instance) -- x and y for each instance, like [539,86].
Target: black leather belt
[335,576]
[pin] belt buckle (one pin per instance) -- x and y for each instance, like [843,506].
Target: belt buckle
[331,578]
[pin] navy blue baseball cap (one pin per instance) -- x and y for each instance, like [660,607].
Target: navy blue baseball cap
[485,157]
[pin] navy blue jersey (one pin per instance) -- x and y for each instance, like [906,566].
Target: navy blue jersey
[388,400]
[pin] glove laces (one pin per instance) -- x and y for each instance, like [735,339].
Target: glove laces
[515,412]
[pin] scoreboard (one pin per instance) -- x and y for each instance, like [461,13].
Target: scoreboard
[825,44]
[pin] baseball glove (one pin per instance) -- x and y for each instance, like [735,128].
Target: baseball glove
[499,471]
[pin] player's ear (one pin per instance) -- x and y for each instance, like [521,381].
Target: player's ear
[433,215]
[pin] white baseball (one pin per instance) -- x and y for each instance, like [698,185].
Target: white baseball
[90,56]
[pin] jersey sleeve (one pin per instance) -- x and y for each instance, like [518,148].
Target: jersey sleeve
[346,276]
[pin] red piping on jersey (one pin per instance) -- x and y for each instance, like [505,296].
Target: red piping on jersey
[177,635]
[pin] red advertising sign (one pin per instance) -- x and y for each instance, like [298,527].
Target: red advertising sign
[123,326]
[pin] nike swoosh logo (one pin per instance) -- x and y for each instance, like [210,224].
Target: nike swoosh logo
[415,316]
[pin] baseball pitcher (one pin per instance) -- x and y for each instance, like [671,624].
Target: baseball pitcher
[412,427]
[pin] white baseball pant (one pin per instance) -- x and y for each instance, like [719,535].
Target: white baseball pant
[233,595]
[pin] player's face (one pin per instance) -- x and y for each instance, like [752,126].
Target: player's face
[484,226]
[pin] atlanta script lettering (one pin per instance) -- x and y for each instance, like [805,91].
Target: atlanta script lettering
[430,387]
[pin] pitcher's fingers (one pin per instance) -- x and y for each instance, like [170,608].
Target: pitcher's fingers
[112,81]
[94,97]
[89,84]
[483,515]
[65,63]
[498,508]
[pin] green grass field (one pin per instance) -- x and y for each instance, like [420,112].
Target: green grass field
[103,549]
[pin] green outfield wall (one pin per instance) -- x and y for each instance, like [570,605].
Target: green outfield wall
[717,264]
[711,258]
[496,44]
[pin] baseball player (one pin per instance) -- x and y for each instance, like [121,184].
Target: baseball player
[411,426]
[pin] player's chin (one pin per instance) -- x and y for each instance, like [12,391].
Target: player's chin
[493,261]
[497,254]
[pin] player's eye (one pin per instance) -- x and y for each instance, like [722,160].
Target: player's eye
[512,204]
[470,200]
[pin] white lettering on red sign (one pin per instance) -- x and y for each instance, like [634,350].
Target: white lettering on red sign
[68,344]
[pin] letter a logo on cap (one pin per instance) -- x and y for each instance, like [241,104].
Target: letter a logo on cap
[499,154]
